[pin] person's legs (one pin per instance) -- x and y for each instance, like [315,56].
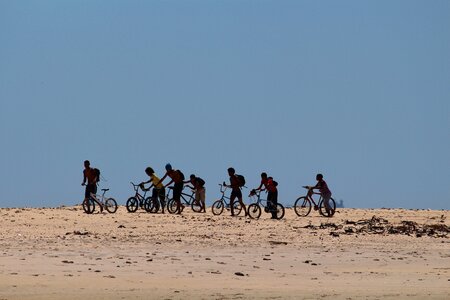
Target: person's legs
[326,203]
[202,196]
[92,189]
[232,197]
[155,198]
[241,202]
[177,189]
[87,193]
[273,203]
[162,198]
[243,205]
[197,197]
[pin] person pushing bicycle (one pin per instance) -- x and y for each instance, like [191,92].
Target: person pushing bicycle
[198,185]
[272,193]
[177,178]
[92,177]
[325,192]
[158,188]
[235,185]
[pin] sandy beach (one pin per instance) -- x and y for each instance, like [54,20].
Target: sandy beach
[63,253]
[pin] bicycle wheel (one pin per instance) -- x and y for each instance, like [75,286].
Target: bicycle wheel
[151,205]
[302,207]
[217,207]
[280,211]
[172,206]
[132,204]
[238,208]
[148,204]
[327,212]
[254,211]
[196,206]
[88,206]
[111,205]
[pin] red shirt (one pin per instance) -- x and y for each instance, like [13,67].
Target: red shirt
[323,188]
[91,175]
[268,184]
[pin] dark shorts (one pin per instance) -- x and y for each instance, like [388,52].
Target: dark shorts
[177,189]
[159,193]
[236,194]
[90,188]
[272,198]
[272,201]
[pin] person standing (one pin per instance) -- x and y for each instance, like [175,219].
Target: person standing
[158,188]
[198,185]
[272,193]
[325,192]
[92,176]
[177,178]
[235,185]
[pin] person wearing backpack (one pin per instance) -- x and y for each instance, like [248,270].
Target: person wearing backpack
[92,176]
[177,178]
[198,185]
[236,183]
[272,193]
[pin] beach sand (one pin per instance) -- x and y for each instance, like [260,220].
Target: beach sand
[63,253]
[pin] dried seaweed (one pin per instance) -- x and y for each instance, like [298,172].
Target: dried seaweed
[378,225]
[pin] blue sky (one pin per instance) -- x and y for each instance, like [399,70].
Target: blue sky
[356,90]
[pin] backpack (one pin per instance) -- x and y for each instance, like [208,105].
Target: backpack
[241,180]
[181,174]
[200,181]
[97,173]
[274,183]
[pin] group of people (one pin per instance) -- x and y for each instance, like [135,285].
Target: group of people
[91,176]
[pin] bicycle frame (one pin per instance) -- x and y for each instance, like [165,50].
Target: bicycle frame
[303,204]
[188,201]
[310,194]
[259,200]
[137,195]
[100,199]
[224,198]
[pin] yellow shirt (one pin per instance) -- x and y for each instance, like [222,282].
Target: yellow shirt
[155,179]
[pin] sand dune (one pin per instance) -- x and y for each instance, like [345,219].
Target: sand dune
[359,254]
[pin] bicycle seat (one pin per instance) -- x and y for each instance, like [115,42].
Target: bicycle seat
[105,190]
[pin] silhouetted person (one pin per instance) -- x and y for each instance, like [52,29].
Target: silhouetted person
[324,191]
[235,185]
[158,188]
[177,177]
[272,193]
[92,177]
[198,185]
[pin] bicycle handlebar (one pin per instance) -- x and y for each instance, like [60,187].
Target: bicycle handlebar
[229,187]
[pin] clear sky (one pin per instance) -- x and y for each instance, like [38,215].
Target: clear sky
[356,90]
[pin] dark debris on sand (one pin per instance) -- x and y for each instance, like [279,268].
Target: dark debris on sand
[377,225]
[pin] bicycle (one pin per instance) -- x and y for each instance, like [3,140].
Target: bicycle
[224,202]
[254,209]
[302,205]
[186,200]
[138,200]
[109,204]
[153,205]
